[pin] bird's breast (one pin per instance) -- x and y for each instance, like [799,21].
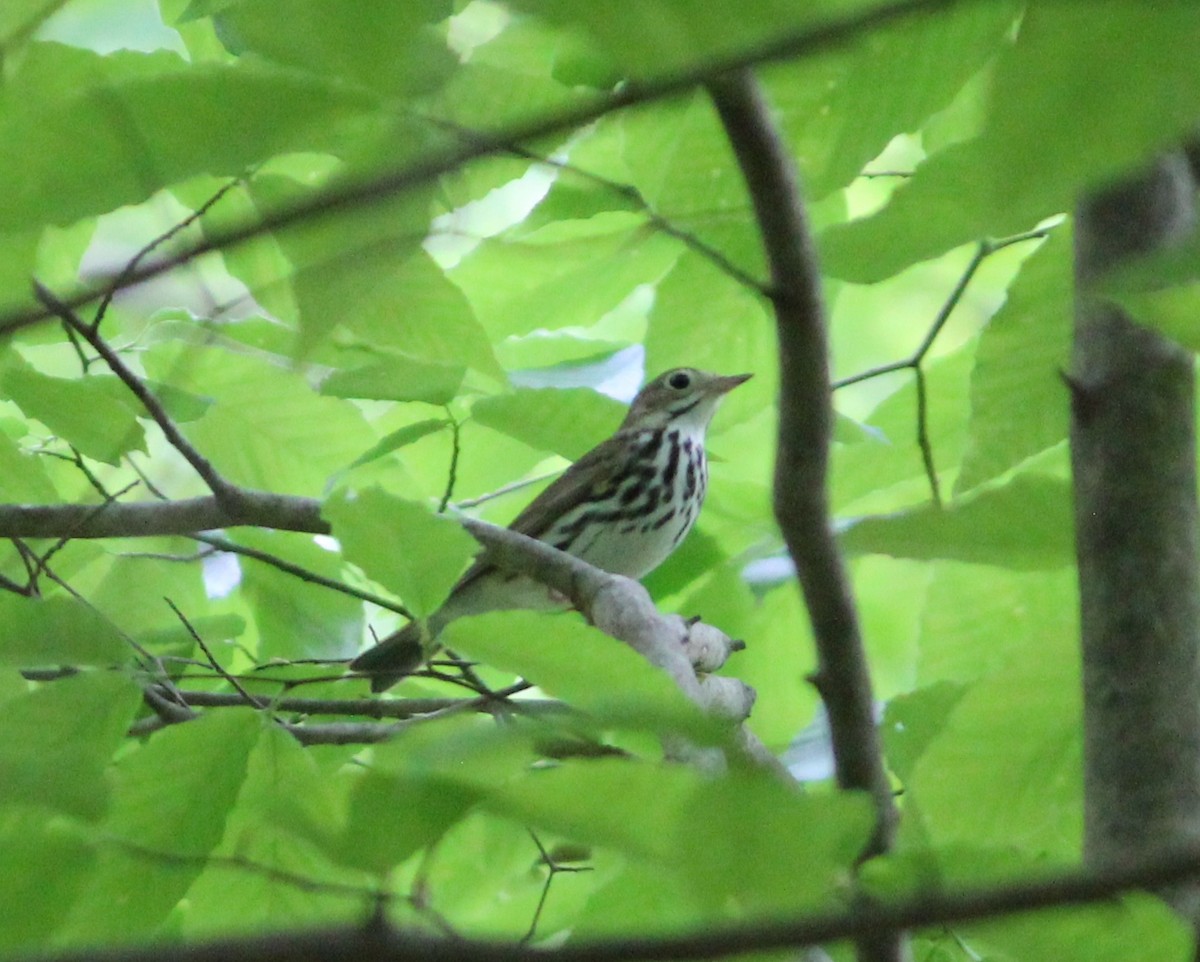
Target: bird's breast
[645,513]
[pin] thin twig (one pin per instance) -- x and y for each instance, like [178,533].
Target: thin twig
[923,441]
[983,251]
[221,489]
[224,544]
[502,491]
[452,472]
[630,194]
[130,269]
[302,882]
[217,667]
[93,511]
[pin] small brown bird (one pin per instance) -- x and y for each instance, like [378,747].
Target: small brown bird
[624,507]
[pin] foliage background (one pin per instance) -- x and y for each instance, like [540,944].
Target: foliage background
[480,328]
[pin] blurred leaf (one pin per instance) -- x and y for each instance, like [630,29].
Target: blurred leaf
[151,117]
[60,739]
[46,863]
[1137,924]
[36,632]
[1173,311]
[913,720]
[80,411]
[840,108]
[566,421]
[397,379]
[1077,100]
[393,817]
[750,860]
[266,427]
[172,796]
[22,477]
[569,274]
[1025,524]
[1017,784]
[700,319]
[294,618]
[399,438]
[391,48]
[401,307]
[580,665]
[627,805]
[403,546]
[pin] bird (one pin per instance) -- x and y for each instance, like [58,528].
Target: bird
[624,506]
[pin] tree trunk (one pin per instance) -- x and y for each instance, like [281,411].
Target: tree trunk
[1133,452]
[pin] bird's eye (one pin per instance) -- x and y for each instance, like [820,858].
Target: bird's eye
[680,380]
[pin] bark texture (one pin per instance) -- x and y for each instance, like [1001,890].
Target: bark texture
[1133,453]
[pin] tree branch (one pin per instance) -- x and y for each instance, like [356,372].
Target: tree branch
[802,459]
[148,518]
[623,609]
[378,942]
[805,431]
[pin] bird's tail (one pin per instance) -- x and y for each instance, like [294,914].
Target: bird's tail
[399,654]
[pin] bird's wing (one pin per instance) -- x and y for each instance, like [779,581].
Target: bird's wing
[586,478]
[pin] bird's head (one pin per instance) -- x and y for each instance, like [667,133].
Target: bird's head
[682,397]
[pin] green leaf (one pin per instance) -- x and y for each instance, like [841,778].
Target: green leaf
[1014,745]
[295,619]
[60,739]
[400,438]
[1018,402]
[699,319]
[22,477]
[177,640]
[1025,524]
[391,48]
[1173,311]
[402,545]
[1077,100]
[167,110]
[570,274]
[682,164]
[580,665]
[397,379]
[266,428]
[289,805]
[392,817]
[1136,925]
[913,720]
[405,307]
[840,109]
[633,807]
[887,468]
[56,631]
[750,861]
[566,421]
[82,412]
[171,800]
[46,864]
[656,37]
[979,620]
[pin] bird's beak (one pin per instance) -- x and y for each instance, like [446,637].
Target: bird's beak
[723,385]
